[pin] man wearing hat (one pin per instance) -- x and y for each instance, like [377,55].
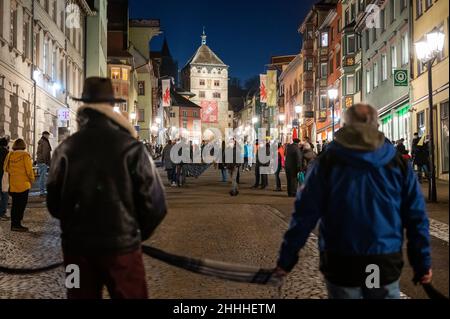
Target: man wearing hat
[43,157]
[104,189]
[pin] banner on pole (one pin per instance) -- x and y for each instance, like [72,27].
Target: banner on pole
[263,88]
[272,88]
[166,100]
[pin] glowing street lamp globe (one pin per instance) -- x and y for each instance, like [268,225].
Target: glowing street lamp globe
[282,117]
[428,49]
[423,51]
[333,94]
[158,120]
[255,120]
[298,109]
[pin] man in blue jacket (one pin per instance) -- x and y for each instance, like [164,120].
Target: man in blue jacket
[363,197]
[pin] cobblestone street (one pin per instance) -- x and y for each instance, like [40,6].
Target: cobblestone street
[203,221]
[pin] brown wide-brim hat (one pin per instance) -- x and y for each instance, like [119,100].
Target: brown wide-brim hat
[98,90]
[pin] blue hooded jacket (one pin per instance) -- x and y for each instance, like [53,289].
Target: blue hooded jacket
[363,206]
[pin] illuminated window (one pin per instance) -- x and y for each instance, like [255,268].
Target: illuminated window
[125,74]
[324,39]
[115,73]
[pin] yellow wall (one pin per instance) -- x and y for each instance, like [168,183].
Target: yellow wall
[435,17]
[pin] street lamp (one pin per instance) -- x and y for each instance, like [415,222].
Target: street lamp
[332,94]
[427,51]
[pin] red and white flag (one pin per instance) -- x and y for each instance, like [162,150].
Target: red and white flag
[166,101]
[263,88]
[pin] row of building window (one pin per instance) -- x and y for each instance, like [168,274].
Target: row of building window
[120,74]
[213,71]
[184,114]
[202,82]
[215,95]
[420,8]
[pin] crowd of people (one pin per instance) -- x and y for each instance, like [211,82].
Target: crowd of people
[108,196]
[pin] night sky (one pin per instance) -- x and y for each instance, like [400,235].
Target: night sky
[244,33]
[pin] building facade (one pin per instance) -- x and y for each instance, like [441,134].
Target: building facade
[315,57]
[141,33]
[96,42]
[330,42]
[291,84]
[206,75]
[427,16]
[352,13]
[41,66]
[386,49]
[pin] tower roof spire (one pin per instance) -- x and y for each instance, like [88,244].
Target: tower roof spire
[203,37]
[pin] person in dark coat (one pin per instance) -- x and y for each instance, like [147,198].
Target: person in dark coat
[169,166]
[280,162]
[43,157]
[422,159]
[104,188]
[222,163]
[293,165]
[401,148]
[264,164]
[3,195]
[257,166]
[366,200]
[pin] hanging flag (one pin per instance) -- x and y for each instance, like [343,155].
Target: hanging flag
[166,101]
[272,88]
[263,88]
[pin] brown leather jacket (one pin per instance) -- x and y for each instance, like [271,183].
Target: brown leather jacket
[44,150]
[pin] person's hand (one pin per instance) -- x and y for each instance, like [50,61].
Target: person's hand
[427,278]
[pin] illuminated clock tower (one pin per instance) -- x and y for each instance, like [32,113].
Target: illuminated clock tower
[206,75]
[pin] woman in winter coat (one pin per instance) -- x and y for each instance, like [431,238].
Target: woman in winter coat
[19,166]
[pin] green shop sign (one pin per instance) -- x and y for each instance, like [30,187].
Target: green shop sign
[400,77]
